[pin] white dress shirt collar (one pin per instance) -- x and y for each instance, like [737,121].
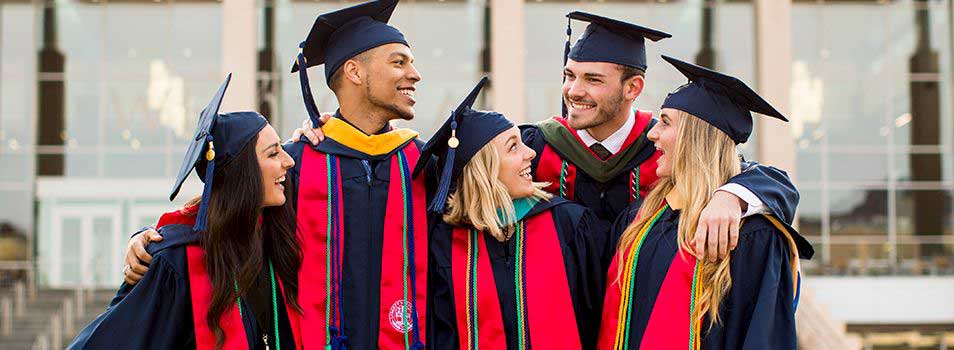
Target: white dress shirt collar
[614,142]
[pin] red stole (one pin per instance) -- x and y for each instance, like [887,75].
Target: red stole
[614,293]
[550,170]
[200,288]
[647,174]
[313,228]
[668,326]
[551,323]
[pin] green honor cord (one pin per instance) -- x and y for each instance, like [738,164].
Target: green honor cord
[271,274]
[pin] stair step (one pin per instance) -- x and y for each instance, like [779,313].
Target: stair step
[36,321]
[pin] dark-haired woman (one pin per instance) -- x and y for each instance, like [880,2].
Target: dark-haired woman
[225,274]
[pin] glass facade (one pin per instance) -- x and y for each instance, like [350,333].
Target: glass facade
[446,39]
[109,91]
[873,129]
[18,67]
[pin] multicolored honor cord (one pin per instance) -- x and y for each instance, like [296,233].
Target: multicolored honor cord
[520,288]
[629,291]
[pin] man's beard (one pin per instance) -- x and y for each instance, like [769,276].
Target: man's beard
[391,108]
[604,112]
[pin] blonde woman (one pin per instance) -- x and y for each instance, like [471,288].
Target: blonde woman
[661,297]
[512,267]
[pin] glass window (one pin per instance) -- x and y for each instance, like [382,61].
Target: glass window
[872,121]
[446,47]
[132,97]
[17,110]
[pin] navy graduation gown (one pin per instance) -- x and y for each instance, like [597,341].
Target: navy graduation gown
[365,183]
[157,313]
[758,312]
[585,251]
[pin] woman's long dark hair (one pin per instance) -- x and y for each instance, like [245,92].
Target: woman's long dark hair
[236,243]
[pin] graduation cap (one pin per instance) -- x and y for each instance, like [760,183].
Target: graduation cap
[723,101]
[609,40]
[218,139]
[337,36]
[453,149]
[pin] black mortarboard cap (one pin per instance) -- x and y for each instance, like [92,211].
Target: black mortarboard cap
[609,40]
[218,138]
[721,100]
[337,36]
[612,41]
[455,149]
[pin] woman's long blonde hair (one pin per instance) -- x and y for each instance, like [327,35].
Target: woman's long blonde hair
[704,158]
[480,195]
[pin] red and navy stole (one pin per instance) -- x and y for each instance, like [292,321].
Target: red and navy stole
[547,317]
[561,174]
[200,288]
[321,229]
[670,325]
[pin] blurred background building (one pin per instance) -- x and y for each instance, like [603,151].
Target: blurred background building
[97,99]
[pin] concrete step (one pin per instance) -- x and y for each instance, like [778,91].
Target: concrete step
[37,319]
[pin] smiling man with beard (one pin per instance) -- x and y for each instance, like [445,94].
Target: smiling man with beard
[360,217]
[598,154]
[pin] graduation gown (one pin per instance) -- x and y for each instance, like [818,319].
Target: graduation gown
[167,308]
[607,187]
[565,251]
[758,312]
[350,188]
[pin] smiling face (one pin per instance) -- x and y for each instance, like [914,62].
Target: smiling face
[515,160]
[274,163]
[391,79]
[663,134]
[598,95]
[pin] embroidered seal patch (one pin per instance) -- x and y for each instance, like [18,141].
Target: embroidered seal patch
[400,316]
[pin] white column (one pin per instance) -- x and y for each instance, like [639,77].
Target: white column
[773,61]
[508,53]
[239,53]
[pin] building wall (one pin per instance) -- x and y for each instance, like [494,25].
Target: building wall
[17,113]
[136,75]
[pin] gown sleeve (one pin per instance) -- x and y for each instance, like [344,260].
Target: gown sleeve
[442,333]
[156,313]
[772,186]
[759,310]
[625,217]
[594,250]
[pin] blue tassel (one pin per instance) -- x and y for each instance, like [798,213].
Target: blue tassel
[201,219]
[338,342]
[310,106]
[440,198]
[417,345]
[566,55]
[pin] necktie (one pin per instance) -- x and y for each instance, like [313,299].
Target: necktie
[600,151]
